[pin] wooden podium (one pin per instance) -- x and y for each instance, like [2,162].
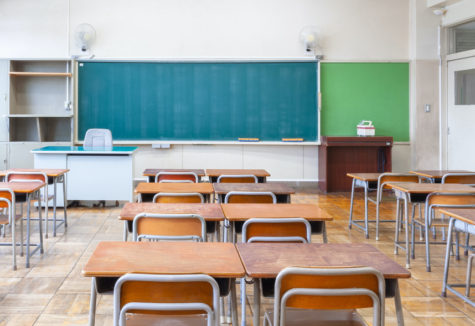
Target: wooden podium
[338,156]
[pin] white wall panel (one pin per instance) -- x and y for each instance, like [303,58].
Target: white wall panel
[212,156]
[282,162]
[148,158]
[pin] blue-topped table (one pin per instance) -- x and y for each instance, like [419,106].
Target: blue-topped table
[95,173]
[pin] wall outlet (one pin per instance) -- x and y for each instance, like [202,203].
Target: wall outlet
[427,108]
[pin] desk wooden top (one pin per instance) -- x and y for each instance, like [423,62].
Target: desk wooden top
[275,187]
[265,260]
[210,212]
[365,176]
[178,187]
[49,172]
[466,215]
[218,172]
[243,212]
[438,174]
[153,172]
[427,188]
[113,259]
[22,187]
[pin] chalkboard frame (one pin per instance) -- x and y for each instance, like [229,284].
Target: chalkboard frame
[313,141]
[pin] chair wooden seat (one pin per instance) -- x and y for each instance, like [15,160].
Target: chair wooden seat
[156,320]
[304,317]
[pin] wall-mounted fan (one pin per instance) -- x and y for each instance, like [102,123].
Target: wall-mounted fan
[84,36]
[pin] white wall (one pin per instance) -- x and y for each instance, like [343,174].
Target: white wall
[352,30]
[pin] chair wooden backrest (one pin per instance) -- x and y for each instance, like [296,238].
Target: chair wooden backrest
[447,200]
[238,178]
[178,227]
[329,288]
[388,177]
[7,203]
[176,177]
[277,230]
[188,294]
[235,197]
[26,177]
[178,198]
[463,178]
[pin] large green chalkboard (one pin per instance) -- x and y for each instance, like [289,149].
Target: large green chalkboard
[352,92]
[199,101]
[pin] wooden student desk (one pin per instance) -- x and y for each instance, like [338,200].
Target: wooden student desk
[150,173]
[266,260]
[28,189]
[466,215]
[146,190]
[281,190]
[55,176]
[411,192]
[435,176]
[213,174]
[210,212]
[243,212]
[114,259]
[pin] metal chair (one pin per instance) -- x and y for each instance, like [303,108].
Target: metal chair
[239,178]
[178,198]
[462,178]
[272,230]
[458,226]
[328,295]
[8,217]
[39,177]
[381,186]
[146,299]
[98,138]
[177,227]
[433,201]
[277,230]
[176,177]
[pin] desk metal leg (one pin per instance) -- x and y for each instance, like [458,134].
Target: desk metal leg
[55,192]
[324,232]
[366,231]
[447,257]
[65,202]
[92,303]
[351,203]
[406,233]
[27,230]
[233,301]
[257,303]
[243,301]
[40,222]
[398,305]
[126,231]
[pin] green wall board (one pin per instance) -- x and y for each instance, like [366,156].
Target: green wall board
[352,92]
[199,101]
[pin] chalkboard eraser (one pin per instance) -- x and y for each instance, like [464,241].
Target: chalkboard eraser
[248,139]
[292,139]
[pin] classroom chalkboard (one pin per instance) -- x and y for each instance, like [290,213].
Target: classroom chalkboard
[199,101]
[375,91]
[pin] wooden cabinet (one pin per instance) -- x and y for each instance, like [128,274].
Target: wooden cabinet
[338,156]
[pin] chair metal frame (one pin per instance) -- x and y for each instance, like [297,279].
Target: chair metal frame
[283,221]
[446,179]
[46,196]
[250,193]
[212,312]
[138,237]
[11,213]
[236,176]
[458,226]
[164,173]
[377,200]
[178,194]
[280,301]
[38,246]
[428,218]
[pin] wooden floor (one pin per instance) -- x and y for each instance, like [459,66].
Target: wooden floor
[53,292]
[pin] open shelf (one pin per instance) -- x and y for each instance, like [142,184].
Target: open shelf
[40,129]
[41,74]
